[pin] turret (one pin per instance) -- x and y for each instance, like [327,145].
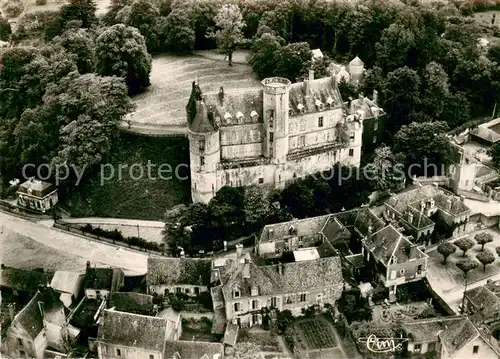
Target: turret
[356,69]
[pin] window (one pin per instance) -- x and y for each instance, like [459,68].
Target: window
[202,145]
[419,269]
[351,152]
[352,136]
[417,348]
[22,354]
[431,347]
[274,302]
[320,121]
[19,341]
[375,126]
[271,136]
[151,356]
[303,297]
[178,290]
[255,318]
[261,180]
[187,291]
[118,353]
[402,271]
[302,141]
[271,122]
[374,139]
[236,307]
[255,304]
[302,125]
[196,290]
[202,161]
[271,114]
[475,349]
[236,293]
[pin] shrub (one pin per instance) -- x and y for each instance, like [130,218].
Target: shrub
[5,29]
[380,293]
[41,2]
[290,339]
[13,9]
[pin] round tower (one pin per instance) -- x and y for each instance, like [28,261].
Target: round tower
[356,69]
[204,154]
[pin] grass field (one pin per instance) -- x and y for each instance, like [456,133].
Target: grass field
[134,196]
[164,103]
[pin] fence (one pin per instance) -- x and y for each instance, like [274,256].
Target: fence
[72,229]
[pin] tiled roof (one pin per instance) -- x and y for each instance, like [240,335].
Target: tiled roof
[494,287]
[303,227]
[366,218]
[486,134]
[457,335]
[365,105]
[132,302]
[236,101]
[231,334]
[356,260]
[23,280]
[103,279]
[219,321]
[192,349]
[333,229]
[417,218]
[482,297]
[319,89]
[133,330]
[216,293]
[36,188]
[402,200]
[295,277]
[66,282]
[172,271]
[455,207]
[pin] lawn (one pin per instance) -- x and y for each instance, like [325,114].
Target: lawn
[267,341]
[200,330]
[317,334]
[164,103]
[132,195]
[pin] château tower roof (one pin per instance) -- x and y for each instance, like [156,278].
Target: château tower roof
[356,62]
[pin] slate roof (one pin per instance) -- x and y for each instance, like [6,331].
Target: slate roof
[236,101]
[418,220]
[38,188]
[66,282]
[457,206]
[202,123]
[319,89]
[103,279]
[130,302]
[133,330]
[192,349]
[303,227]
[356,260]
[486,134]
[365,105]
[295,277]
[173,271]
[356,62]
[22,279]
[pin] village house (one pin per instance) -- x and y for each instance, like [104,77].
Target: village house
[243,287]
[100,282]
[165,275]
[127,335]
[394,257]
[37,195]
[69,285]
[131,302]
[413,208]
[183,349]
[448,338]
[39,327]
[273,135]
[23,283]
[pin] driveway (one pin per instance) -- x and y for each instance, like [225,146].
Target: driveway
[30,245]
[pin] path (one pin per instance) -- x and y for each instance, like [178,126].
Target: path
[116,221]
[158,130]
[22,238]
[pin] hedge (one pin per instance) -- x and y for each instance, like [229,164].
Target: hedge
[116,235]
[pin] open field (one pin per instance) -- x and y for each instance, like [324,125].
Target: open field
[54,5]
[133,195]
[164,103]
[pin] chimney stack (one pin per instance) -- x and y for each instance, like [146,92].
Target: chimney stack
[239,250]
[448,204]
[280,268]
[88,265]
[375,97]
[410,217]
[221,95]
[311,75]
[12,311]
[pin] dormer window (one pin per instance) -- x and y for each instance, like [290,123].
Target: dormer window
[300,107]
[319,105]
[329,101]
[290,111]
[228,117]
[236,292]
[201,144]
[254,115]
[292,230]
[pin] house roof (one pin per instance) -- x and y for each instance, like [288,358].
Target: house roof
[192,349]
[133,330]
[303,227]
[130,302]
[494,287]
[22,279]
[317,54]
[219,320]
[356,260]
[319,89]
[231,334]
[455,206]
[356,62]
[458,334]
[174,271]
[245,102]
[202,123]
[416,218]
[483,297]
[103,279]
[67,282]
[295,277]
[31,317]
[36,188]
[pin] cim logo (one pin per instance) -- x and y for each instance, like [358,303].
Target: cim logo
[383,345]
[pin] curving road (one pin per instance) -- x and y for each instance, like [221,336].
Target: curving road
[27,244]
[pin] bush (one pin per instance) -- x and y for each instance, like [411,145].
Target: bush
[41,2]
[290,339]
[13,9]
[117,236]
[380,293]
[5,29]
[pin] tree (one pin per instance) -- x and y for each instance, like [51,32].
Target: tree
[229,34]
[179,33]
[494,53]
[466,265]
[121,51]
[401,95]
[298,199]
[143,15]
[436,89]
[244,350]
[80,43]
[256,206]
[5,29]
[284,319]
[485,257]
[425,147]
[394,46]
[81,10]
[320,67]
[464,244]
[446,249]
[497,249]
[294,61]
[265,54]
[456,109]
[373,79]
[387,169]
[494,152]
[483,238]
[347,89]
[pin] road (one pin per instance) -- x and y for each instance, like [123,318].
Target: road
[163,130]
[116,221]
[24,241]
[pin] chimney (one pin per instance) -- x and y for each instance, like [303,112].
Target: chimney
[239,250]
[410,217]
[280,268]
[306,87]
[311,75]
[448,204]
[88,265]
[12,311]
[375,97]
[221,95]
[183,254]
[193,84]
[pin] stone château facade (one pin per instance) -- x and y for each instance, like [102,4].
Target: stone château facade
[270,136]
